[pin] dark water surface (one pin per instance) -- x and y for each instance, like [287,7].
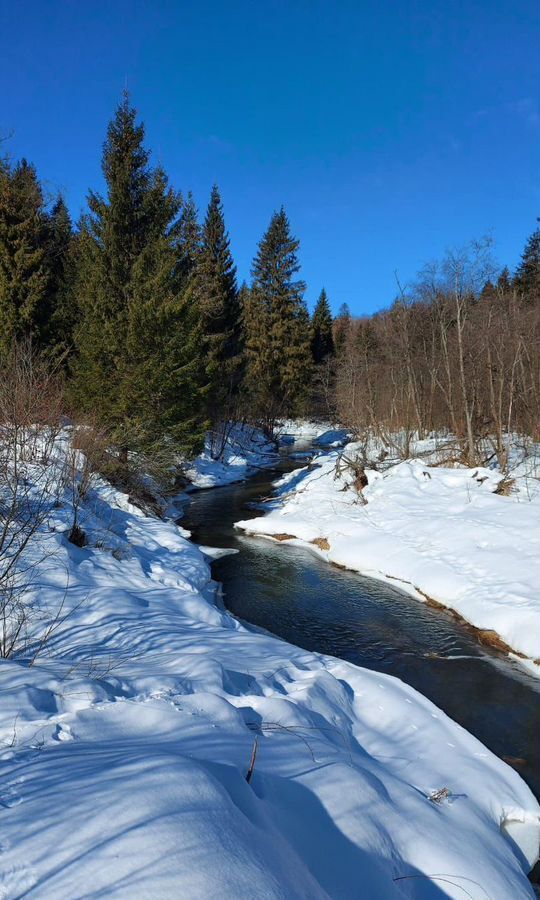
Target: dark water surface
[301,598]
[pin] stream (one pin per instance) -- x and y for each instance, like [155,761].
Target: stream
[297,596]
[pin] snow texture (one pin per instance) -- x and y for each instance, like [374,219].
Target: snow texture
[124,748]
[435,531]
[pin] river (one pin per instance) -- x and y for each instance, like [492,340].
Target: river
[297,596]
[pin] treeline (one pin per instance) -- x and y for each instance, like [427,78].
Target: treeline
[460,352]
[139,303]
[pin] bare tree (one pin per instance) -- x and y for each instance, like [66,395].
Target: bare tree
[454,353]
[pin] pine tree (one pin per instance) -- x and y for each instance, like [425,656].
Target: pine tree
[189,237]
[136,339]
[504,281]
[24,275]
[488,292]
[216,294]
[60,312]
[322,340]
[261,381]
[277,324]
[528,272]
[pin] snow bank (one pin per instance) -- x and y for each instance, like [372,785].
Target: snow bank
[244,449]
[333,437]
[290,431]
[124,750]
[440,532]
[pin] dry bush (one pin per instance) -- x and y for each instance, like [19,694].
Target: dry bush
[505,487]
[144,478]
[31,402]
[144,482]
[86,459]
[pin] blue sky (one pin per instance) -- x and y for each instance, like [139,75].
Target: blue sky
[389,130]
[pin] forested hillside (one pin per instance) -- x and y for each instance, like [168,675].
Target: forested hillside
[137,307]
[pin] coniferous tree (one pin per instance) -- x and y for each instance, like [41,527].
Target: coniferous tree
[277,326]
[24,277]
[528,272]
[136,338]
[215,291]
[261,381]
[189,237]
[60,313]
[504,281]
[322,340]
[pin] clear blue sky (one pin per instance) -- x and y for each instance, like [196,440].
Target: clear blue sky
[389,130]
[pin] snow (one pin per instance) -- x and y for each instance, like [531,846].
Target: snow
[124,749]
[290,431]
[334,437]
[245,449]
[440,532]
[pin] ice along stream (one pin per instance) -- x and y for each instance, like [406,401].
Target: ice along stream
[301,598]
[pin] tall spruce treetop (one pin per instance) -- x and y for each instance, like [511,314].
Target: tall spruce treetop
[189,237]
[217,299]
[217,265]
[24,275]
[280,320]
[504,281]
[59,312]
[322,341]
[139,208]
[136,353]
[528,272]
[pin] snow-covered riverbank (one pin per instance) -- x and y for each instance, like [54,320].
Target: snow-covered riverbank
[437,532]
[231,455]
[125,749]
[237,451]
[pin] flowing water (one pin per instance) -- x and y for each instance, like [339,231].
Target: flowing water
[301,598]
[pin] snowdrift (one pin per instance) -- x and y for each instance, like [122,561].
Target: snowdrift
[124,750]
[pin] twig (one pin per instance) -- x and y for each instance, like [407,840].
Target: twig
[252,760]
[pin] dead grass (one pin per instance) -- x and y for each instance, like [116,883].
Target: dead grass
[505,487]
[321,542]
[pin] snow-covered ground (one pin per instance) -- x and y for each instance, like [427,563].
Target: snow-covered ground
[242,450]
[125,746]
[291,430]
[435,531]
[323,434]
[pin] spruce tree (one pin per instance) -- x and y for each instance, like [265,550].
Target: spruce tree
[277,323]
[189,238]
[528,272]
[261,382]
[322,340]
[136,337]
[504,281]
[60,312]
[215,291]
[24,277]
